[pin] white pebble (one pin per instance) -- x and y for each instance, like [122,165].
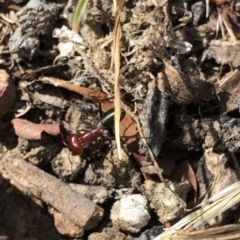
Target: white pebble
[130,213]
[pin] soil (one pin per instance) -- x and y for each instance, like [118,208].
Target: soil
[179,114]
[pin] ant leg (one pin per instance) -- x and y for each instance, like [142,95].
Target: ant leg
[104,155]
[64,134]
[94,147]
[100,109]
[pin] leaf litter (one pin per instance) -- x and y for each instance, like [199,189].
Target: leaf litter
[171,66]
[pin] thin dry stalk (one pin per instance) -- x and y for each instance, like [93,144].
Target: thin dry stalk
[227,198]
[116,57]
[92,94]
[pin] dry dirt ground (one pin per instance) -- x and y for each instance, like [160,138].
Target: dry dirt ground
[179,126]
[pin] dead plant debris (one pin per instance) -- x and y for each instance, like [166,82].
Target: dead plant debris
[170,69]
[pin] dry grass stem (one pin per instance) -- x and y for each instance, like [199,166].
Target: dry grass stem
[227,198]
[116,57]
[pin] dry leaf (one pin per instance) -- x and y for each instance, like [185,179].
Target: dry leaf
[29,130]
[181,88]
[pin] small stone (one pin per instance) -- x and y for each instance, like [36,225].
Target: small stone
[130,213]
[151,233]
[167,199]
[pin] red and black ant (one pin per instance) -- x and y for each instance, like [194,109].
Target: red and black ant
[77,141]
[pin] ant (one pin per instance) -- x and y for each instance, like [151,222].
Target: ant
[76,141]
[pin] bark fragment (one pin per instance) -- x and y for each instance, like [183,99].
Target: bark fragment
[75,206]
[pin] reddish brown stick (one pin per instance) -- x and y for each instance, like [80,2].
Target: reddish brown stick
[75,206]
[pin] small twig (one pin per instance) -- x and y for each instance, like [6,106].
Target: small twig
[94,95]
[74,205]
